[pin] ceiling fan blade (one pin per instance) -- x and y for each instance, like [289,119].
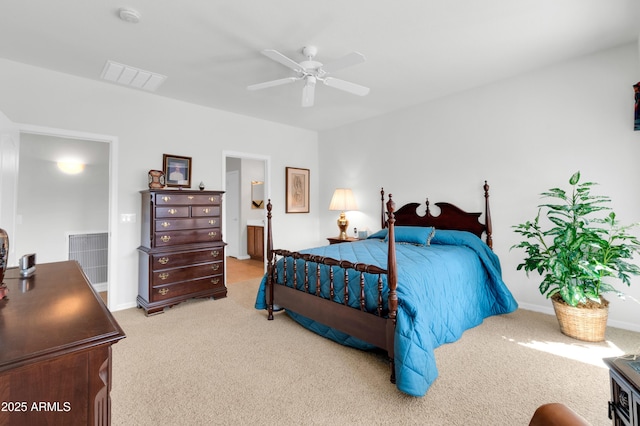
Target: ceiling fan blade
[348,60]
[356,89]
[309,91]
[279,57]
[271,83]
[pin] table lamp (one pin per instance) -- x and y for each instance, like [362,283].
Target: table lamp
[342,201]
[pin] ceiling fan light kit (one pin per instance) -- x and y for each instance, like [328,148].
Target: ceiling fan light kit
[312,71]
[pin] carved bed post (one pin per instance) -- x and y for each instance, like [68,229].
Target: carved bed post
[383,222]
[392,275]
[270,263]
[487,214]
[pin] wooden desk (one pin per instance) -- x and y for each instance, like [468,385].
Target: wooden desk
[55,349]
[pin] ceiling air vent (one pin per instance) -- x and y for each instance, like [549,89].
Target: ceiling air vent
[130,76]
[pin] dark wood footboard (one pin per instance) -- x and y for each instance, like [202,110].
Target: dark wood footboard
[376,328]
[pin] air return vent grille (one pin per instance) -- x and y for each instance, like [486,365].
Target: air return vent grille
[92,253]
[133,77]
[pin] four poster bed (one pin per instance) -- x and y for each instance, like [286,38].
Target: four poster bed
[418,283]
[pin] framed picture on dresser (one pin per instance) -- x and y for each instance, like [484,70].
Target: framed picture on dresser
[177,170]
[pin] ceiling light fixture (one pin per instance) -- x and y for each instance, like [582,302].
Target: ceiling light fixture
[71,167]
[129,15]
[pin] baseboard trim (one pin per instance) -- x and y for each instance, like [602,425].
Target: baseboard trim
[100,287]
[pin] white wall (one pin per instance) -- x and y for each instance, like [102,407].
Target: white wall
[147,126]
[523,135]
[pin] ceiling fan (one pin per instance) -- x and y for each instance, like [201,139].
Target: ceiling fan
[312,71]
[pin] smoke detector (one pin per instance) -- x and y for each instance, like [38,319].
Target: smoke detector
[129,15]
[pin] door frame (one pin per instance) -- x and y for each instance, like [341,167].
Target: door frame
[229,175]
[267,182]
[113,185]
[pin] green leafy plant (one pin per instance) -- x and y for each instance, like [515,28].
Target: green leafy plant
[575,252]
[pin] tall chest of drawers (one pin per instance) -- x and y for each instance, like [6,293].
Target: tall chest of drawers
[181,255]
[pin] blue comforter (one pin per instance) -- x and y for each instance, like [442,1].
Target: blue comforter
[443,289]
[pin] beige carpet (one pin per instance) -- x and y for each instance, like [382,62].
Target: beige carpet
[207,362]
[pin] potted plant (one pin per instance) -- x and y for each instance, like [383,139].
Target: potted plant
[578,253]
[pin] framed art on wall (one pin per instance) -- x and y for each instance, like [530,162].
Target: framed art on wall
[177,170]
[297,190]
[636,116]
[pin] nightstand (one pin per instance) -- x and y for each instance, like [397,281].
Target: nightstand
[624,407]
[336,240]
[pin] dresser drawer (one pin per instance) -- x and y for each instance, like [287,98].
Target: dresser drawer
[167,276]
[178,224]
[163,239]
[183,288]
[172,211]
[187,199]
[175,260]
[205,211]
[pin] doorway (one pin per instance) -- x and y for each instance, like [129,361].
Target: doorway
[239,171]
[91,196]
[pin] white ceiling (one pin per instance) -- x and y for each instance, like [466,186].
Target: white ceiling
[416,50]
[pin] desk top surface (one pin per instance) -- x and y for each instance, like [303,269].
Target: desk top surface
[53,312]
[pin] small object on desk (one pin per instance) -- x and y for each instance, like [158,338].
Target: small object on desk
[4,253]
[27,265]
[201,186]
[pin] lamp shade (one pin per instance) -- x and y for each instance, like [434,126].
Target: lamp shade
[343,200]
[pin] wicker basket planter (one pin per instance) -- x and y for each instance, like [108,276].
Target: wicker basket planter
[587,324]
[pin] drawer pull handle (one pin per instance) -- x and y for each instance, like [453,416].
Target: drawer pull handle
[172,211]
[215,267]
[165,238]
[206,210]
[163,260]
[212,199]
[163,291]
[215,281]
[165,224]
[212,222]
[166,198]
[190,197]
[163,276]
[215,253]
[212,234]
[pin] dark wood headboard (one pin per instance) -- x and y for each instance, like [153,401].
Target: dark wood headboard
[450,217]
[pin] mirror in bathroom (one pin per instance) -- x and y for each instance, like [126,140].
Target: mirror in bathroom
[257,194]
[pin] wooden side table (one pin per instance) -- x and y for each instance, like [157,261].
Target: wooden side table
[624,407]
[336,240]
